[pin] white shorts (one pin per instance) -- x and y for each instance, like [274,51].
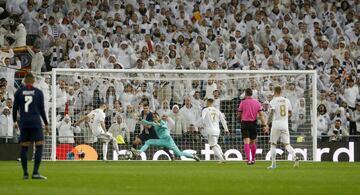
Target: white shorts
[284,136]
[105,137]
[213,140]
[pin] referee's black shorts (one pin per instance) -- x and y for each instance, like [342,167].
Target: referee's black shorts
[249,129]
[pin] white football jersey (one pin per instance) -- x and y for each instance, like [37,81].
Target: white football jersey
[211,118]
[96,117]
[281,107]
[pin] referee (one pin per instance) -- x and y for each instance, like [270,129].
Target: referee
[248,111]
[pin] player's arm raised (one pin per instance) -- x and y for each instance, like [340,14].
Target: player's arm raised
[82,119]
[143,121]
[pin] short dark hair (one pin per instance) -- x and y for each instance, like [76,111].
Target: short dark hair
[210,100]
[277,89]
[29,75]
[102,103]
[29,78]
[248,92]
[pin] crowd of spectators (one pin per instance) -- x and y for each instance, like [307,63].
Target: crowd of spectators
[184,34]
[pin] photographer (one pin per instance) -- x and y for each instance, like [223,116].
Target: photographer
[337,132]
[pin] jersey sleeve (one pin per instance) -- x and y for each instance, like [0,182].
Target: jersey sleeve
[289,105]
[203,114]
[148,122]
[91,114]
[15,106]
[163,124]
[223,120]
[42,108]
[272,104]
[102,117]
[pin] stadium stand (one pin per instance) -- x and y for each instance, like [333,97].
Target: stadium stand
[183,34]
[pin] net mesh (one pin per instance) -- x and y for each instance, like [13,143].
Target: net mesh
[77,93]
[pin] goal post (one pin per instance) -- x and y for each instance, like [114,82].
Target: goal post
[175,87]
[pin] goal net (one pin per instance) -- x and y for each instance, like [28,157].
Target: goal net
[180,95]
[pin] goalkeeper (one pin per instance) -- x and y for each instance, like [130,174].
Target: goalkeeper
[165,140]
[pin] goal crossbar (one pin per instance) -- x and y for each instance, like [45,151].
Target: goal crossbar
[68,71]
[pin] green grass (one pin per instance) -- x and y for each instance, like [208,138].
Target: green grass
[182,178]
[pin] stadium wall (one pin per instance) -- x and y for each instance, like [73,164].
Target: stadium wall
[327,151]
[12,152]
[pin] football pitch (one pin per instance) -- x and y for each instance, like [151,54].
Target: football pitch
[165,177]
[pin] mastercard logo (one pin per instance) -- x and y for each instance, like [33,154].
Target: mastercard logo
[80,152]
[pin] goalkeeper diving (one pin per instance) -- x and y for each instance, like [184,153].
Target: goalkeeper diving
[165,140]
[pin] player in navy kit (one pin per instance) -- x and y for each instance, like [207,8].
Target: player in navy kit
[29,102]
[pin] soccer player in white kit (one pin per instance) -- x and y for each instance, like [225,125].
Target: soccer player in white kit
[280,112]
[210,118]
[97,125]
